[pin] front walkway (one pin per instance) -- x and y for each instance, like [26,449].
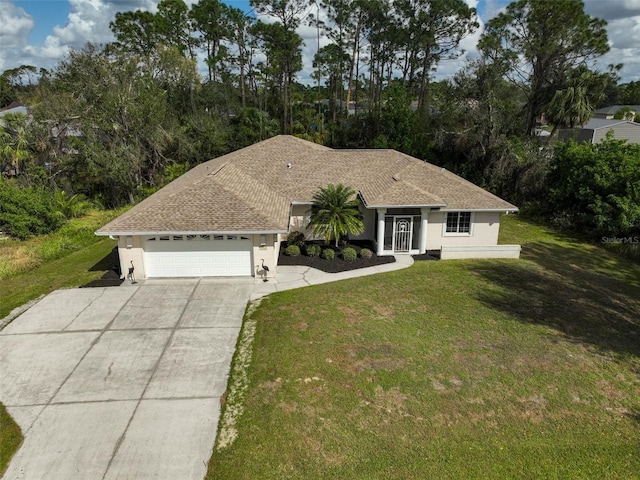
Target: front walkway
[290,277]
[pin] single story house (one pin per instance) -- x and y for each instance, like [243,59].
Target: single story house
[608,113]
[228,215]
[596,129]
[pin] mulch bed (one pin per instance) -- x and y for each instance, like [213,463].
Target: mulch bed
[338,264]
[435,255]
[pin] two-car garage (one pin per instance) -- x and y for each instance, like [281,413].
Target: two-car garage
[198,256]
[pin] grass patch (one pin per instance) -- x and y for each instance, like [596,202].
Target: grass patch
[451,369]
[70,257]
[10,438]
[77,268]
[21,256]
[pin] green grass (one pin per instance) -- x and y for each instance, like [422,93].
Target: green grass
[10,438]
[70,257]
[452,369]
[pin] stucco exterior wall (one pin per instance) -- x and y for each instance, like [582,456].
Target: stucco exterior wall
[493,251]
[485,227]
[267,251]
[134,253]
[300,219]
[369,220]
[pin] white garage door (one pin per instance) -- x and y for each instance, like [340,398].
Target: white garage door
[197,256]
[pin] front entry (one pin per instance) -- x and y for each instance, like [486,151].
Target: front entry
[402,233]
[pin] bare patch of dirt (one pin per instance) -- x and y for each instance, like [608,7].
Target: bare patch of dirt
[351,315]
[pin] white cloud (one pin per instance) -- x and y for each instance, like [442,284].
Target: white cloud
[88,20]
[16,26]
[623,30]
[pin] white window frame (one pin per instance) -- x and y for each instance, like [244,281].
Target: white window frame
[458,233]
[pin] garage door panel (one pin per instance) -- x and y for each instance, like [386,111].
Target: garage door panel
[198,258]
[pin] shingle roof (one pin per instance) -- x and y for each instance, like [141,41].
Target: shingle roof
[252,189]
[613,109]
[595,123]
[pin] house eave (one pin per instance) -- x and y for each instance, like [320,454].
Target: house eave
[188,232]
[506,210]
[431,205]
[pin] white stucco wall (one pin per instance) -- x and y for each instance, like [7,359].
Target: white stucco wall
[300,219]
[269,252]
[485,227]
[134,253]
[493,251]
[369,220]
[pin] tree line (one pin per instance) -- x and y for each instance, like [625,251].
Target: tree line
[114,122]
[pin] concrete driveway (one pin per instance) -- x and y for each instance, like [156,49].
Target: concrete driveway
[121,382]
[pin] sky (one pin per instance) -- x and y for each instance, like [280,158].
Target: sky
[41,32]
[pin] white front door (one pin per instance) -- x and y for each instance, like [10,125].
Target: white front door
[198,256]
[402,234]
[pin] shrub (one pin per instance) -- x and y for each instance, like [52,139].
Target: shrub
[313,250]
[349,254]
[296,238]
[26,211]
[292,251]
[70,206]
[366,253]
[328,254]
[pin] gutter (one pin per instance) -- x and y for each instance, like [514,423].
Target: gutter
[183,232]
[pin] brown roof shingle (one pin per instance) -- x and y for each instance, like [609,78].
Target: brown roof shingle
[252,189]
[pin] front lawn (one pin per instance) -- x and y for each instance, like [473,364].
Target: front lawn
[451,369]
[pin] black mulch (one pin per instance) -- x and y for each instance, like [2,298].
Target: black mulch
[109,279]
[338,264]
[431,255]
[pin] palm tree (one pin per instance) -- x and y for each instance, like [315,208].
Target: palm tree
[335,213]
[14,146]
[575,104]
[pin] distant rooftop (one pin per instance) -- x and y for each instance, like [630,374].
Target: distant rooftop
[595,123]
[613,109]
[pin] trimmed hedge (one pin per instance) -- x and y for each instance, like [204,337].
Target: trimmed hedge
[349,254]
[328,254]
[295,238]
[292,250]
[313,250]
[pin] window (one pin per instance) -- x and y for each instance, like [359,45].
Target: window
[458,222]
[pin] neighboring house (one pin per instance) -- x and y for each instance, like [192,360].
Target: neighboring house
[12,108]
[596,129]
[224,216]
[608,113]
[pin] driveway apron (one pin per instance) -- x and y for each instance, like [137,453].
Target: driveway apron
[121,382]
